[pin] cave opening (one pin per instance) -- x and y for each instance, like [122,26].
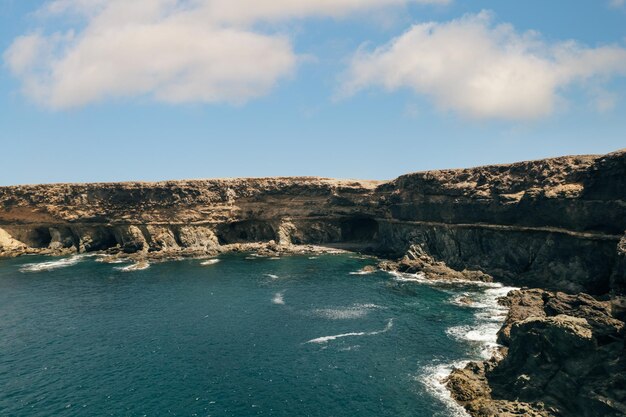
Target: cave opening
[104,239]
[359,229]
[40,237]
[245,231]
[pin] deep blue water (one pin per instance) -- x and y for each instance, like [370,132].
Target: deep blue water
[243,337]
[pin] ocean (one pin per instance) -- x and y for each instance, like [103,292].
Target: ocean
[239,335]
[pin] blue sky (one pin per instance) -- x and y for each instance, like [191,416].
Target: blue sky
[345,91]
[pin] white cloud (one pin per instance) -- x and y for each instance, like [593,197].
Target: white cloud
[171,61]
[617,3]
[171,50]
[482,70]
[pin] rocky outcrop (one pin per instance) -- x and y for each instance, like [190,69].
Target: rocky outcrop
[564,355]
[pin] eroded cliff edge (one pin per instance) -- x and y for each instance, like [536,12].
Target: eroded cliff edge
[557,224]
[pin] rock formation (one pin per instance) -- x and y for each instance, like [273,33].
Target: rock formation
[556,224]
[564,355]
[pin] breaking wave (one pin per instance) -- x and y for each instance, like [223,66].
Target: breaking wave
[362,272]
[137,266]
[488,319]
[51,265]
[433,378]
[209,262]
[326,339]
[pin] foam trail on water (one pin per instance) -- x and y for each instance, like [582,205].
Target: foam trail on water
[209,262]
[325,339]
[353,312]
[361,272]
[137,266]
[51,265]
[271,276]
[278,298]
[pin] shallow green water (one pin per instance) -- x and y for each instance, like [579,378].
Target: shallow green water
[243,337]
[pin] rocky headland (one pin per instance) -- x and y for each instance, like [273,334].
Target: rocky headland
[555,227]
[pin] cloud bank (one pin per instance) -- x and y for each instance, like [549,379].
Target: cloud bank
[170,50]
[482,70]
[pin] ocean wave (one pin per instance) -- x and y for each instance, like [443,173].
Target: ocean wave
[137,266]
[433,376]
[489,317]
[209,262]
[105,259]
[51,265]
[361,272]
[272,276]
[278,298]
[326,339]
[355,311]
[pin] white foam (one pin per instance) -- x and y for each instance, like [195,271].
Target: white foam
[278,298]
[51,265]
[326,339]
[349,348]
[433,377]
[420,277]
[313,257]
[355,311]
[361,272]
[404,277]
[209,262]
[112,261]
[137,266]
[272,276]
[489,318]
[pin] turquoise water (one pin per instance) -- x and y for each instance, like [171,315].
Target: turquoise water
[244,337]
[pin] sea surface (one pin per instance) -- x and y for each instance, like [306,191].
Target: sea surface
[240,335]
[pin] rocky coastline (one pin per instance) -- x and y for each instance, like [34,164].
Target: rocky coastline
[554,227]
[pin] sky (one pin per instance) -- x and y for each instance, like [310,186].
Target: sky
[148,90]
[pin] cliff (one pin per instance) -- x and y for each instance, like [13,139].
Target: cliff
[556,224]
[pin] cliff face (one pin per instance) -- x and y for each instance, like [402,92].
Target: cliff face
[554,223]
